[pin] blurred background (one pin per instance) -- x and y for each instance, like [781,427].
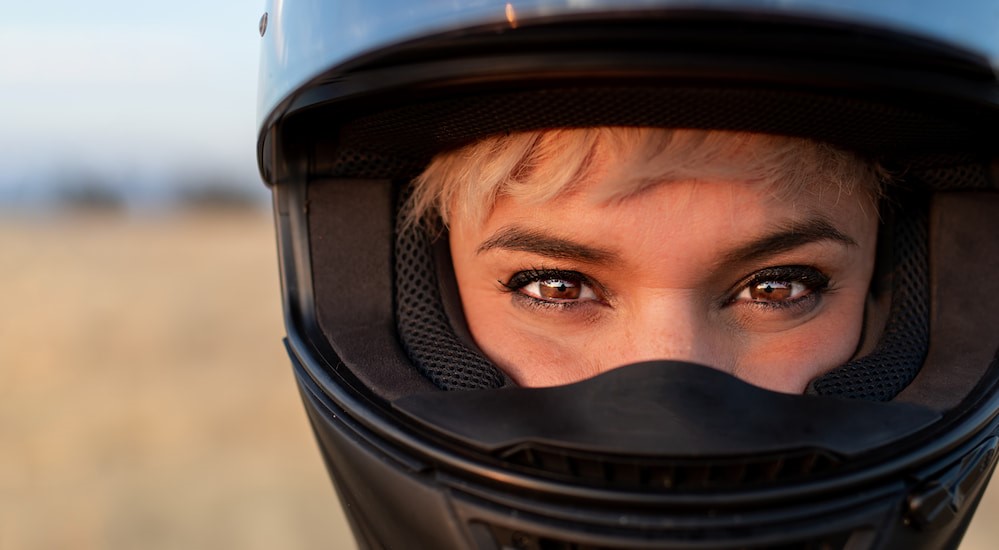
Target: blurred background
[146,400]
[145,397]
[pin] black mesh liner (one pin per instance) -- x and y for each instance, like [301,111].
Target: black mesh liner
[899,354]
[423,325]
[970,176]
[397,143]
[350,161]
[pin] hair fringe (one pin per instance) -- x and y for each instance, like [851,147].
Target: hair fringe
[534,167]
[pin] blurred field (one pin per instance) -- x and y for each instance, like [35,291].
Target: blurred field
[146,400]
[145,397]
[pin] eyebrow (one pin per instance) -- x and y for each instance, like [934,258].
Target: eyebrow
[787,238]
[538,242]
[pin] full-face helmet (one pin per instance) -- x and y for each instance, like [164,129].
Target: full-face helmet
[431,445]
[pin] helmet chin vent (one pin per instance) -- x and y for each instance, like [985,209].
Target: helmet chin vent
[505,537]
[673,474]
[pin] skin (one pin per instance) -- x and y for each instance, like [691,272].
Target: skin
[679,271]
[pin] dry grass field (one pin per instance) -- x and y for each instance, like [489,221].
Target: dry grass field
[145,398]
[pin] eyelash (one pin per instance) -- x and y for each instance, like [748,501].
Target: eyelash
[815,282]
[523,278]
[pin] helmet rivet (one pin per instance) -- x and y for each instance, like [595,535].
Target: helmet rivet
[263,24]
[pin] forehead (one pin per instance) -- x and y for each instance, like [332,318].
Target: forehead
[717,207]
[706,187]
[675,233]
[767,167]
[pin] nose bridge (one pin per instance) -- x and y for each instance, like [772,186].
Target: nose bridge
[672,325]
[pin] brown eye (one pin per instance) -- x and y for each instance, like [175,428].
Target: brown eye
[553,286]
[773,291]
[559,289]
[782,287]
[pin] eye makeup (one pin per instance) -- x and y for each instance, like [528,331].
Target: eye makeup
[773,288]
[552,288]
[782,288]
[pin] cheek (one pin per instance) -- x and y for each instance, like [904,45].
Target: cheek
[787,362]
[524,346]
[531,352]
[537,353]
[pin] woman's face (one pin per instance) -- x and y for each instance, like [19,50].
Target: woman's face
[723,273]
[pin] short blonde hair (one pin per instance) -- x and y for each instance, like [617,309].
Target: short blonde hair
[536,166]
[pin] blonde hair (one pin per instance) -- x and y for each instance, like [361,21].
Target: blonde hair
[535,166]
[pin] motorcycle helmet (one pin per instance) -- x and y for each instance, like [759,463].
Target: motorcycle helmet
[430,445]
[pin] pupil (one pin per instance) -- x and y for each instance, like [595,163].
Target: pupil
[559,289]
[772,290]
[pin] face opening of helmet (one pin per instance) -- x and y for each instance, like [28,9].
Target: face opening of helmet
[580,250]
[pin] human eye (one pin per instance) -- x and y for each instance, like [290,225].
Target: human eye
[783,287]
[553,287]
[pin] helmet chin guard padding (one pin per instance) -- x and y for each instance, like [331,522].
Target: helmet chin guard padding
[891,450]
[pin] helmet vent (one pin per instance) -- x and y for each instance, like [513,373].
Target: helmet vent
[515,539]
[702,474]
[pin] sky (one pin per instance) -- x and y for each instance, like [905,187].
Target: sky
[137,94]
